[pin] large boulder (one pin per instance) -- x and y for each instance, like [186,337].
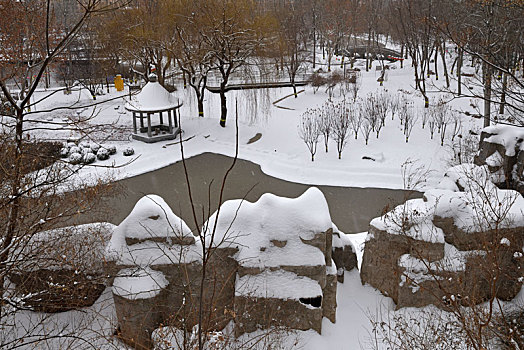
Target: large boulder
[462,242]
[502,150]
[280,237]
[267,263]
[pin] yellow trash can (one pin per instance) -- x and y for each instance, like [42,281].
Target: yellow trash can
[119,83]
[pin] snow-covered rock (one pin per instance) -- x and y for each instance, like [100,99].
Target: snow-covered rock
[427,248]
[270,260]
[502,149]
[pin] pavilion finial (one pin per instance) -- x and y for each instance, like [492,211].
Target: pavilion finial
[153,78]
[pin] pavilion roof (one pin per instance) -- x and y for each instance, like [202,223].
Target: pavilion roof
[153,97]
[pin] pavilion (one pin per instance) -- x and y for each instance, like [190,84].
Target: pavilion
[154,102]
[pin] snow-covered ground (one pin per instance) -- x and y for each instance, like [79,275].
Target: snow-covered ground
[280,151]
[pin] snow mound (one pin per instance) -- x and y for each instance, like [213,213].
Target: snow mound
[157,234]
[272,231]
[135,284]
[412,219]
[153,218]
[509,136]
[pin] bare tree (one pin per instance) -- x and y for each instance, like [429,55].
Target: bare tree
[309,131]
[355,117]
[189,50]
[326,115]
[293,37]
[229,33]
[407,117]
[490,34]
[34,196]
[341,126]
[366,128]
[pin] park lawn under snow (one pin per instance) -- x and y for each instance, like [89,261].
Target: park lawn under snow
[280,151]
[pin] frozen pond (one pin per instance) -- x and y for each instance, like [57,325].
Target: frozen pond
[351,208]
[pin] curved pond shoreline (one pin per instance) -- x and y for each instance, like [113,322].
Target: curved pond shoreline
[351,208]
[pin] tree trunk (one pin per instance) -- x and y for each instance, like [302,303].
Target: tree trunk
[459,70]
[503,95]
[314,40]
[223,105]
[14,205]
[435,58]
[200,108]
[487,94]
[367,50]
[402,56]
[443,57]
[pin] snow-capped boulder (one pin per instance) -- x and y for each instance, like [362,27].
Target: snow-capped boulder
[75,158]
[64,152]
[88,158]
[502,149]
[427,249]
[279,239]
[270,264]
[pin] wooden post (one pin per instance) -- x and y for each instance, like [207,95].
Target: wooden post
[141,120]
[170,121]
[134,122]
[161,119]
[148,124]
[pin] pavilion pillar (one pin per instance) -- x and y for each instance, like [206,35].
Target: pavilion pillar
[161,119]
[134,122]
[170,121]
[141,120]
[148,124]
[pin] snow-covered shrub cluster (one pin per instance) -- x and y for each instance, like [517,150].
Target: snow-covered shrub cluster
[86,152]
[128,151]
